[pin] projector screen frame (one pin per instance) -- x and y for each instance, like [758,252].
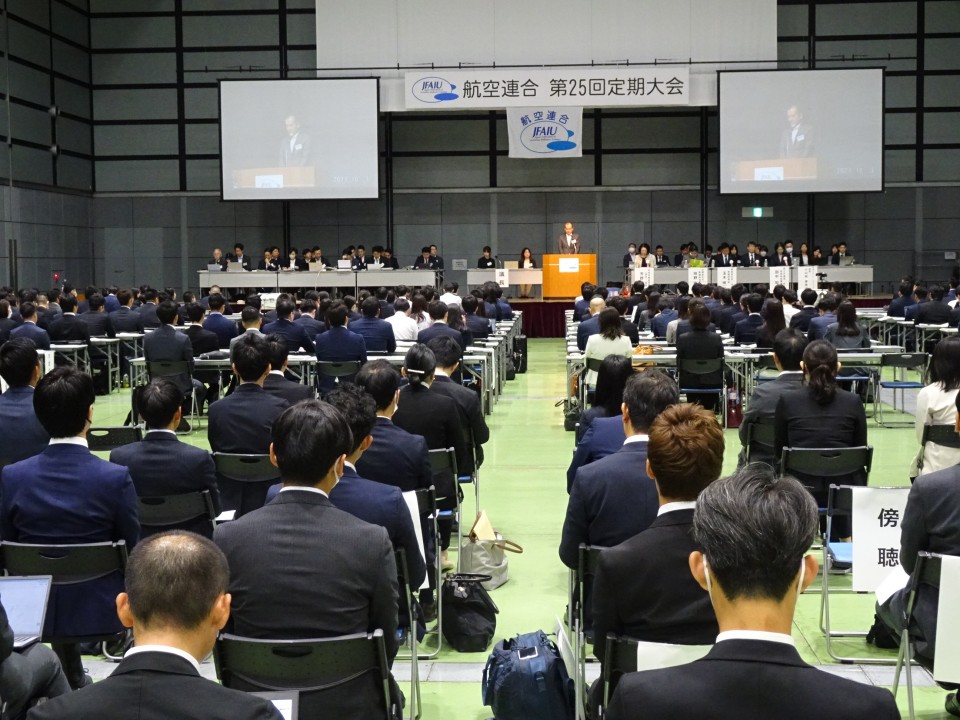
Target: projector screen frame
[754,191]
[221,81]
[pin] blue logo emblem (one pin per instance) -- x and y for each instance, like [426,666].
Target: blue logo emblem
[547,136]
[434,90]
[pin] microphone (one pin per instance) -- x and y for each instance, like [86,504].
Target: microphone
[497,259]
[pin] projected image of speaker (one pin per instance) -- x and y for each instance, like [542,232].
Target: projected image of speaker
[299,139]
[785,131]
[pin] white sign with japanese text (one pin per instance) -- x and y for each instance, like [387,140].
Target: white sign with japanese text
[566,87]
[644,275]
[569,264]
[503,277]
[806,277]
[545,132]
[779,275]
[698,275]
[877,515]
[726,276]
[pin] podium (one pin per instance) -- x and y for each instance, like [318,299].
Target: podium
[275,178]
[777,169]
[564,274]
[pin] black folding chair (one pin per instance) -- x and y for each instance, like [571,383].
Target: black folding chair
[619,658]
[164,512]
[323,670]
[427,508]
[176,368]
[244,480]
[337,369]
[105,439]
[587,559]
[408,602]
[710,366]
[760,438]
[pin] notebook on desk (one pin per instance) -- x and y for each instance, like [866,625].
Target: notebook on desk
[25,601]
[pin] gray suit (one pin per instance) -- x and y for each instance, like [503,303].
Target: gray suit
[763,407]
[563,247]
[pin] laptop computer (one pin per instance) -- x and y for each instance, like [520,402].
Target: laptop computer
[213,267]
[847,261]
[511,264]
[344,264]
[233,266]
[287,702]
[25,601]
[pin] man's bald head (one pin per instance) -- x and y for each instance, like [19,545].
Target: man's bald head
[596,305]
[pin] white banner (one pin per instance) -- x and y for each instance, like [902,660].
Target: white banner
[877,515]
[545,132]
[726,276]
[644,275]
[779,275]
[698,275]
[503,277]
[946,667]
[569,264]
[570,87]
[806,277]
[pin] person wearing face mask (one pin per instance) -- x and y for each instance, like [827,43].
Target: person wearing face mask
[346,577]
[631,256]
[294,262]
[754,669]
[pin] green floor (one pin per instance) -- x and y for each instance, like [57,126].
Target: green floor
[523,482]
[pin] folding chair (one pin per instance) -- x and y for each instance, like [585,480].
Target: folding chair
[443,461]
[587,559]
[247,476]
[764,362]
[427,507]
[68,565]
[408,600]
[593,364]
[625,655]
[705,367]
[322,669]
[105,439]
[903,362]
[336,369]
[926,572]
[945,435]
[171,368]
[760,437]
[840,501]
[474,477]
[164,512]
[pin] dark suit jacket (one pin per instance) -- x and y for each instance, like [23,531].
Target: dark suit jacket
[436,418]
[339,343]
[588,327]
[377,334]
[630,330]
[148,313]
[99,323]
[725,319]
[753,261]
[748,679]
[801,321]
[154,686]
[612,500]
[745,331]
[245,262]
[21,434]
[287,390]
[34,332]
[162,465]
[67,495]
[313,326]
[67,328]
[899,304]
[802,423]
[440,329]
[202,341]
[643,588]
[165,343]
[296,336]
[302,568]
[580,309]
[604,437]
[241,422]
[471,417]
[762,409]
[933,313]
[431,263]
[479,326]
[721,260]
[126,320]
[397,458]
[910,312]
[699,345]
[818,326]
[225,328]
[660,322]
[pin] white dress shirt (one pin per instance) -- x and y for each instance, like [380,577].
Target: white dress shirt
[137,649]
[756,635]
[674,506]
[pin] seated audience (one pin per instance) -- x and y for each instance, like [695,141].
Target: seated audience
[176,601]
[478,325]
[345,579]
[623,307]
[296,336]
[241,422]
[590,325]
[224,327]
[308,318]
[439,313]
[276,383]
[612,499]
[774,321]
[801,319]
[788,347]
[338,344]
[251,321]
[935,311]
[162,465]
[902,300]
[21,433]
[29,329]
[377,334]
[665,314]
[745,331]
[700,344]
[931,523]
[604,437]
[166,343]
[845,333]
[96,317]
[609,341]
[753,670]
[683,315]
[403,325]
[66,495]
[613,374]
[936,402]
[68,328]
[827,308]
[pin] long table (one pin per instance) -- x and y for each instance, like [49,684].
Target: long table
[342,279]
[753,275]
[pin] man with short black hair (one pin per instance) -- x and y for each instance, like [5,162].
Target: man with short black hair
[449,296]
[753,670]
[439,312]
[96,317]
[308,318]
[377,334]
[68,327]
[296,336]
[242,421]
[827,316]
[148,310]
[346,578]
[902,301]
[801,320]
[276,383]
[745,331]
[225,328]
[252,321]
[66,495]
[125,319]
[21,433]
[166,343]
[338,344]
[478,326]
[29,330]
[403,326]
[934,312]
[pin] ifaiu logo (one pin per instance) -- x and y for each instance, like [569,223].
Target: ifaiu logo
[434,90]
[547,136]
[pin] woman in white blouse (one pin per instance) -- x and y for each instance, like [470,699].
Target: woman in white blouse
[610,341]
[937,404]
[526,261]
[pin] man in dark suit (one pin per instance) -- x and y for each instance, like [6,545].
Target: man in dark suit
[218,259]
[276,383]
[377,334]
[591,325]
[202,341]
[6,322]
[902,301]
[359,261]
[97,318]
[745,331]
[730,314]
[346,578]
[426,261]
[447,353]
[22,434]
[296,149]
[396,457]
[173,633]
[478,326]
[801,321]
[612,499]
[166,343]
[308,319]
[934,312]
[931,523]
[568,243]
[29,329]
[751,674]
[238,256]
[68,327]
[788,347]
[241,422]
[841,253]
[660,258]
[162,465]
[604,437]
[797,141]
[148,310]
[581,308]
[338,344]
[225,328]
[125,319]
[67,495]
[296,336]
[438,312]
[643,588]
[753,257]
[629,329]
[722,258]
[666,314]
[827,316]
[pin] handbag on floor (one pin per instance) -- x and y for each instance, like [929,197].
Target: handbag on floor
[483,552]
[469,618]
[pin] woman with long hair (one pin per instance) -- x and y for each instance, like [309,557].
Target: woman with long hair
[937,404]
[418,311]
[608,393]
[609,341]
[526,262]
[773,322]
[700,343]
